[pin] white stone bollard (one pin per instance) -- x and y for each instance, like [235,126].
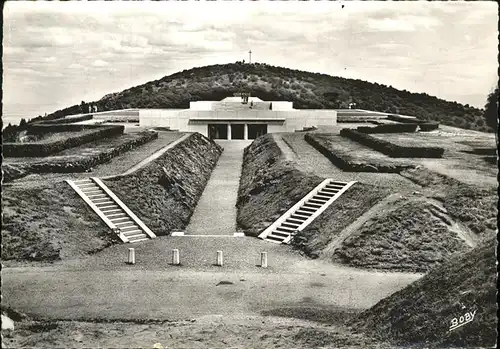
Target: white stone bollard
[175,257]
[263,259]
[220,259]
[131,256]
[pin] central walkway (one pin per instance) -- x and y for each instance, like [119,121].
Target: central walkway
[215,213]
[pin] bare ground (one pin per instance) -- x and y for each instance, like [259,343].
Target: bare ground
[213,331]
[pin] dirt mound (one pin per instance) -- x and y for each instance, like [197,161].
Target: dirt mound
[474,207]
[269,186]
[407,237]
[425,310]
[47,222]
[164,193]
[345,210]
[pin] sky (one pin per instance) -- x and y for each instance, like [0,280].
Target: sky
[56,54]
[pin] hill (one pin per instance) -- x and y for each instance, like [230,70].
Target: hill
[307,90]
[424,310]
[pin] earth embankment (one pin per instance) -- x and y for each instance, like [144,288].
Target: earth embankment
[164,193]
[424,310]
[46,220]
[269,185]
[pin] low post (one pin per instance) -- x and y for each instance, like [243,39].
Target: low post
[175,257]
[220,259]
[131,256]
[263,259]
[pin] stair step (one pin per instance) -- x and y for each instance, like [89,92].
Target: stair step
[328,190]
[110,208]
[286,230]
[132,232]
[337,182]
[327,193]
[303,213]
[299,217]
[93,191]
[335,189]
[116,215]
[130,227]
[280,234]
[87,185]
[121,220]
[322,197]
[334,185]
[103,199]
[103,204]
[312,204]
[295,220]
[274,238]
[290,225]
[318,202]
[309,208]
[126,225]
[96,196]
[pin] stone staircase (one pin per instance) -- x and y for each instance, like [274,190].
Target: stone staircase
[305,211]
[111,210]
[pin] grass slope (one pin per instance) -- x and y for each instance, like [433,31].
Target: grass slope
[305,89]
[423,311]
[164,193]
[48,222]
[269,186]
[474,207]
[407,238]
[345,210]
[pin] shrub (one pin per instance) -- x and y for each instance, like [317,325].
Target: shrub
[40,149]
[391,149]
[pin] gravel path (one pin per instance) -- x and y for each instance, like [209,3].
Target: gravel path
[309,159]
[215,213]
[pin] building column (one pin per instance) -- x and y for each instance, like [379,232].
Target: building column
[245,131]
[229,131]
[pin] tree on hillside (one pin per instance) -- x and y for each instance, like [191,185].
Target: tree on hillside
[491,110]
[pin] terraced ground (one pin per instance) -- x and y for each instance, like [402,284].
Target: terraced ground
[240,304]
[117,165]
[308,159]
[458,160]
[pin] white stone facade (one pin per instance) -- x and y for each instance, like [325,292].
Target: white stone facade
[231,119]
